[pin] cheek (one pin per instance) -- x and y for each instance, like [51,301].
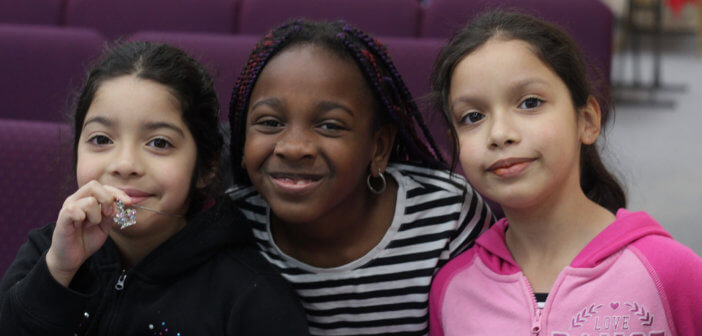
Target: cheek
[87,169]
[470,151]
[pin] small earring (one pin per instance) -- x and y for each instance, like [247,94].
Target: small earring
[382,179]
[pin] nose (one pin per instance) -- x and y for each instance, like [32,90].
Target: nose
[503,131]
[127,162]
[295,144]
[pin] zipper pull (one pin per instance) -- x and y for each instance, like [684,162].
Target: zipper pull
[536,325]
[120,281]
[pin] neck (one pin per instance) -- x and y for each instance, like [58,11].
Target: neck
[544,239]
[341,236]
[135,244]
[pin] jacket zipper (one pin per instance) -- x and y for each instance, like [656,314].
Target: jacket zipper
[536,323]
[536,317]
[120,281]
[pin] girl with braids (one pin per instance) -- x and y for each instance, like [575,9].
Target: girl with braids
[145,246]
[568,259]
[341,181]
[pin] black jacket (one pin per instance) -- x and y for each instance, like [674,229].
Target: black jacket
[205,280]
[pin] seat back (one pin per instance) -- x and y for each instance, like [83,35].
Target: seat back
[386,17]
[36,161]
[42,68]
[43,12]
[116,19]
[414,59]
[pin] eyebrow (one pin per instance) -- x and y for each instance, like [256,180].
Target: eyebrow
[151,126]
[526,82]
[272,102]
[322,106]
[513,87]
[325,106]
[100,120]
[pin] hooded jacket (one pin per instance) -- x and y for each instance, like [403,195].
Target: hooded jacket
[204,280]
[632,279]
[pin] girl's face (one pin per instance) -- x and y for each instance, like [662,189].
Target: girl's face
[134,138]
[518,131]
[309,134]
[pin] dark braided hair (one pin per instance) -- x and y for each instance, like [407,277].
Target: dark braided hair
[394,102]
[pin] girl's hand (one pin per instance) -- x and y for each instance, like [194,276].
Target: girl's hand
[81,229]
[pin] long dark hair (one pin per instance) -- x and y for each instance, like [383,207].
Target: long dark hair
[558,51]
[395,104]
[186,79]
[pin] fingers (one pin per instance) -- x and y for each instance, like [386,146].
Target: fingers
[93,201]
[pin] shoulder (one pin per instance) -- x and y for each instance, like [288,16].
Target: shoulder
[455,266]
[447,275]
[677,272]
[669,259]
[428,177]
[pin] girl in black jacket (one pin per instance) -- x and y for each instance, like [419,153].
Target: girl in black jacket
[140,248]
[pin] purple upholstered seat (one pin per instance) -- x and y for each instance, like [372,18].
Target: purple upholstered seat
[386,17]
[35,161]
[414,59]
[590,22]
[42,67]
[45,12]
[121,18]
[224,56]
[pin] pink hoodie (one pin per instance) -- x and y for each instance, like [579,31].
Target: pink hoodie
[632,279]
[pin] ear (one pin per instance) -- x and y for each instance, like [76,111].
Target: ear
[206,176]
[383,143]
[589,120]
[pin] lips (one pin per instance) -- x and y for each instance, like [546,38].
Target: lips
[510,167]
[136,195]
[295,183]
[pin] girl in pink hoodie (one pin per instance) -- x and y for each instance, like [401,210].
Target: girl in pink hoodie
[567,259]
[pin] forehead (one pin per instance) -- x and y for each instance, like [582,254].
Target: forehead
[310,67]
[504,62]
[131,97]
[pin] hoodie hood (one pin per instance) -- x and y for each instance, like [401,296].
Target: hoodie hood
[627,228]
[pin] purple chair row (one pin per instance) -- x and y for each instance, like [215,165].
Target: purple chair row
[36,161]
[406,18]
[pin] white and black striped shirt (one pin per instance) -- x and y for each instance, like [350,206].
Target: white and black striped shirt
[386,291]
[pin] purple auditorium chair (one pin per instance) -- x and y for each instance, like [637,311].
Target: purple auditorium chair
[120,18]
[414,59]
[224,56]
[380,18]
[35,161]
[590,22]
[42,12]
[42,67]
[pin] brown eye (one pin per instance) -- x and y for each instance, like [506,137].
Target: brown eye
[530,103]
[100,140]
[160,143]
[472,118]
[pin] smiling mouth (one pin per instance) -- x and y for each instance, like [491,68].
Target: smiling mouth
[295,182]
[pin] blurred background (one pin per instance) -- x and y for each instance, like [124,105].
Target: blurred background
[649,52]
